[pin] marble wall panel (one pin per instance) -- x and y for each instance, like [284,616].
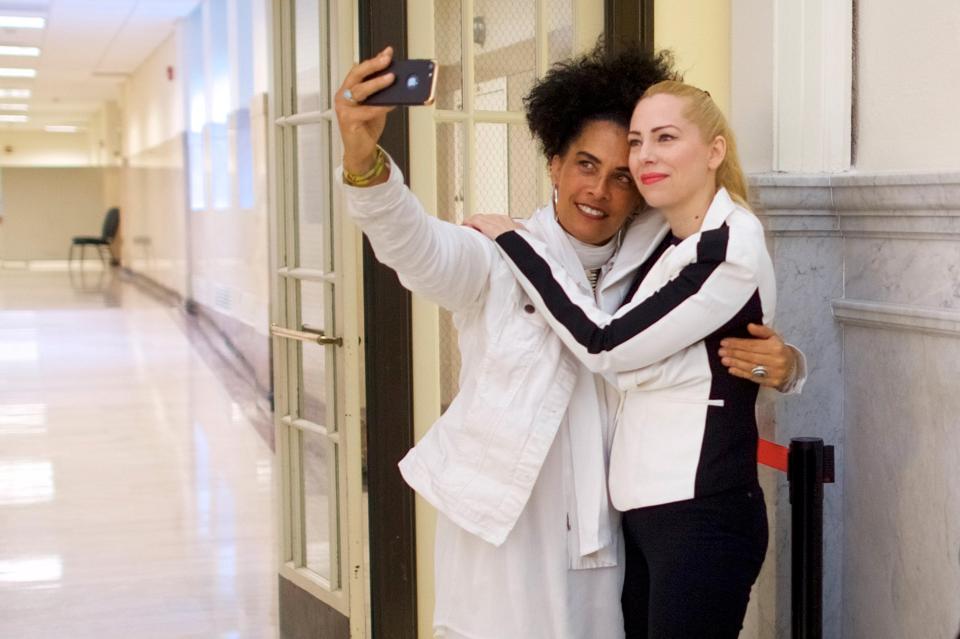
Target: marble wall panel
[902,536]
[904,271]
[869,282]
[809,276]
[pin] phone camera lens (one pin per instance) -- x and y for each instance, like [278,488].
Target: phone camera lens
[413,81]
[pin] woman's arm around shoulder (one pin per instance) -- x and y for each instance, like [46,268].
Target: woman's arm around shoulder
[726,275]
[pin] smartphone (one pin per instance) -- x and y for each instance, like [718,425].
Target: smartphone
[415,84]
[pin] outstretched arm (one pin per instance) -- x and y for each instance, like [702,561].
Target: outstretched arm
[443,262]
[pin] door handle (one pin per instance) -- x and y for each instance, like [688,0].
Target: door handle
[308,334]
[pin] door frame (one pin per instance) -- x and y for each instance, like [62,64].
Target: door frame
[388,349]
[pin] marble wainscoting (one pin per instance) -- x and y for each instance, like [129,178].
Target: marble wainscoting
[869,275]
[806,248]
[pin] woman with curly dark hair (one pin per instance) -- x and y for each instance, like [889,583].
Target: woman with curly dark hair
[527,542]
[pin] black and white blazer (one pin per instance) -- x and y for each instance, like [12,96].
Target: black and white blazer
[686,428]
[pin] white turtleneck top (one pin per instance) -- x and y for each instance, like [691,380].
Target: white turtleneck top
[593,257]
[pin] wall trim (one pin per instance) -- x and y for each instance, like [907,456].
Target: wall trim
[915,319]
[915,206]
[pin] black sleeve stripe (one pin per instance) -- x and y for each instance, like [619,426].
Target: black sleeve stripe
[647,266]
[711,252]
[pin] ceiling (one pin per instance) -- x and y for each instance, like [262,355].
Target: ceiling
[87,50]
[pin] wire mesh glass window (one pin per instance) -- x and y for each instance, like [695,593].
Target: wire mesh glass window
[490,53]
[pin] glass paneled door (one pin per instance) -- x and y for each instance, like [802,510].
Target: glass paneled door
[473,153]
[315,323]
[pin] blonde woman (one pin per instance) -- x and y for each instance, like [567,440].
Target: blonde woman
[683,466]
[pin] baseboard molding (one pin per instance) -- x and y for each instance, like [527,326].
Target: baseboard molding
[218,350]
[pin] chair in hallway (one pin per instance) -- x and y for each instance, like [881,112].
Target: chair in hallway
[111,223]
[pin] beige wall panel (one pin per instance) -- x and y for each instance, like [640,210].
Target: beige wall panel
[43,208]
[698,32]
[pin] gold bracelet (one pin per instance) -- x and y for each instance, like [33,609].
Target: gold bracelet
[379,164]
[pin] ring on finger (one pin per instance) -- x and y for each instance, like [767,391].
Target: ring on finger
[759,371]
[348,96]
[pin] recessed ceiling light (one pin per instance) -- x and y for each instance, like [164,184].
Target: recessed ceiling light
[21,51]
[13,118]
[23,22]
[5,106]
[17,72]
[14,93]
[61,128]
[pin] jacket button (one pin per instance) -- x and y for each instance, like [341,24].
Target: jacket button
[529,308]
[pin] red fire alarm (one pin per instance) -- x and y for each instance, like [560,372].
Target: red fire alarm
[170,73]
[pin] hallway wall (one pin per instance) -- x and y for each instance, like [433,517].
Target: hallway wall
[41,148]
[44,207]
[154,197]
[181,136]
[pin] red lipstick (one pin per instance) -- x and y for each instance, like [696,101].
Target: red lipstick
[652,178]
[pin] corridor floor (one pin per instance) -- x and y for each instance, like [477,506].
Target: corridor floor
[135,496]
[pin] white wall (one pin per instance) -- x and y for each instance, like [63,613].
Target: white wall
[153,105]
[751,82]
[909,85]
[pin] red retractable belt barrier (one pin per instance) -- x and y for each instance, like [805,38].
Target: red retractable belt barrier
[773,455]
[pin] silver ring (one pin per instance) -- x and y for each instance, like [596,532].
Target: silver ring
[348,96]
[759,371]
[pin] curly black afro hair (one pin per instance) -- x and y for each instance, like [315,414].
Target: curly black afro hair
[596,86]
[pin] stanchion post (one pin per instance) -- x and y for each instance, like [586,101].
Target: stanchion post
[811,465]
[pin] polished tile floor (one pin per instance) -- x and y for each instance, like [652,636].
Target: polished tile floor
[135,496]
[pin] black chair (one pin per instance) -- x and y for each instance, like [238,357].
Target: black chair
[111,223]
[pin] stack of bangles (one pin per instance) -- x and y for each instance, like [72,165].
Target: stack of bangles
[379,165]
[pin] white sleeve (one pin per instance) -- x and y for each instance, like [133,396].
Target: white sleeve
[794,385]
[446,263]
[718,289]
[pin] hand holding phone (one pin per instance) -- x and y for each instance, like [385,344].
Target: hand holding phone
[415,84]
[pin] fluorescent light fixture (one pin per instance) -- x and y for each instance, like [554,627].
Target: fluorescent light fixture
[23,22]
[30,52]
[17,72]
[14,107]
[61,128]
[12,118]
[15,93]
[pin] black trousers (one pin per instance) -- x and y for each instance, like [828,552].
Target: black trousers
[690,565]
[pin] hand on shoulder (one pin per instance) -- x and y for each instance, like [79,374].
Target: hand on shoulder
[493,226]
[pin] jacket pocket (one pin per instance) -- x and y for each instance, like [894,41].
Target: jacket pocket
[511,353]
